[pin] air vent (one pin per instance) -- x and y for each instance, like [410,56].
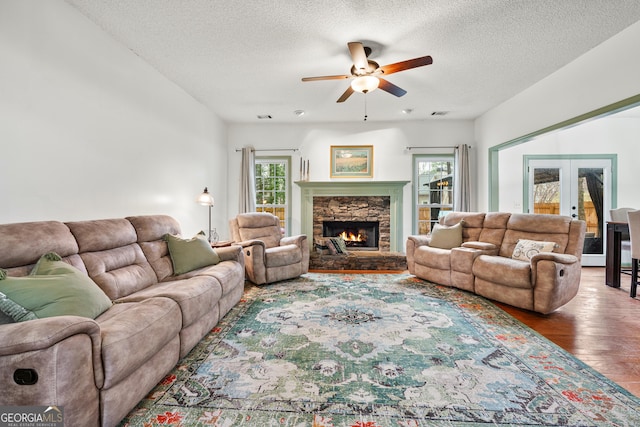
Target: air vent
[264,116]
[439,113]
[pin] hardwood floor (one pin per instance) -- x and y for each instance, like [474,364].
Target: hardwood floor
[600,326]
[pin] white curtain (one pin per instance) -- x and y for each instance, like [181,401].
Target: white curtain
[248,181]
[462,179]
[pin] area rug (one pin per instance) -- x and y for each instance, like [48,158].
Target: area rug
[379,350]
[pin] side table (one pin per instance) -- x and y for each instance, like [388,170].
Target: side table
[222,244]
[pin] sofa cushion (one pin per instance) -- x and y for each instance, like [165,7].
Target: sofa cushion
[433,257]
[494,227]
[190,254]
[133,332]
[259,226]
[54,288]
[153,227]
[229,274]
[542,227]
[525,249]
[112,257]
[472,226]
[102,234]
[151,230]
[195,295]
[446,237]
[120,271]
[23,243]
[504,271]
[283,255]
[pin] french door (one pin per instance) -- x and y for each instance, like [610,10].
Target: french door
[577,187]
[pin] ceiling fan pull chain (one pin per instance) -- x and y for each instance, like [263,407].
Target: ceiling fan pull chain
[365,107]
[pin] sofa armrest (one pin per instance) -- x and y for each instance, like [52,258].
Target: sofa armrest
[254,260]
[413,243]
[483,246]
[298,240]
[42,334]
[556,280]
[231,253]
[551,256]
[248,243]
[37,334]
[420,240]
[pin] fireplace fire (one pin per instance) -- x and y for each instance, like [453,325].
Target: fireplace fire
[350,237]
[358,235]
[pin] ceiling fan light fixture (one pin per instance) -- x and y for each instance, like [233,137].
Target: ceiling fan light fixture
[365,84]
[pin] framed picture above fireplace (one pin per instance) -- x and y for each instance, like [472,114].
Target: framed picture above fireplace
[352,161]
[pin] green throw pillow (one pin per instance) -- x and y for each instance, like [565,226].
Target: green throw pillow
[189,254]
[54,288]
[338,244]
[446,237]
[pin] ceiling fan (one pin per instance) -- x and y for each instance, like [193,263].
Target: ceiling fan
[366,74]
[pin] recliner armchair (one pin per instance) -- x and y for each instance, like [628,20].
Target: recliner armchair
[269,257]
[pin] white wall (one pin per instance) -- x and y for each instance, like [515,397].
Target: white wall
[392,162]
[606,74]
[88,130]
[607,135]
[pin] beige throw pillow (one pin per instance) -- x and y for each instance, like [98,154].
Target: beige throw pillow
[446,237]
[526,249]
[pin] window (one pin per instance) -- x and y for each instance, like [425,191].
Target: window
[273,188]
[433,190]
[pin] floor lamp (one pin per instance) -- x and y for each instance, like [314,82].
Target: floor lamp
[206,199]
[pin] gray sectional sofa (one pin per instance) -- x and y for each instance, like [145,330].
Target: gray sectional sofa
[99,369]
[483,260]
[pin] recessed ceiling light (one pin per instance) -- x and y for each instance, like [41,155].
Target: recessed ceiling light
[265,116]
[439,113]
[407,111]
[299,113]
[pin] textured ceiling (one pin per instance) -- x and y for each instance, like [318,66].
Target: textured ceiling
[246,58]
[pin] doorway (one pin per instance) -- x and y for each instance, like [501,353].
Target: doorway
[576,186]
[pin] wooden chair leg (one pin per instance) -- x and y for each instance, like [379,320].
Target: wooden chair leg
[634,277]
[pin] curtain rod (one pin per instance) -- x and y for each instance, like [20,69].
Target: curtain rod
[272,149]
[434,146]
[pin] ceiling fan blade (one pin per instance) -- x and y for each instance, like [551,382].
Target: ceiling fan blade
[358,55]
[313,79]
[391,88]
[347,93]
[406,65]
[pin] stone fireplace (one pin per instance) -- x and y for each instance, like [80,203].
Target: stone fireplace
[354,201]
[362,221]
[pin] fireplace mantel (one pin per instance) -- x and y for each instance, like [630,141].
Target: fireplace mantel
[393,189]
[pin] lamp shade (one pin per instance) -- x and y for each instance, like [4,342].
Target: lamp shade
[205,199]
[365,84]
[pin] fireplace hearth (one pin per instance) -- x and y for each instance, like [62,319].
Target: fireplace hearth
[358,235]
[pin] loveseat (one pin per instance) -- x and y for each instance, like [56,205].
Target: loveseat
[98,369]
[530,261]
